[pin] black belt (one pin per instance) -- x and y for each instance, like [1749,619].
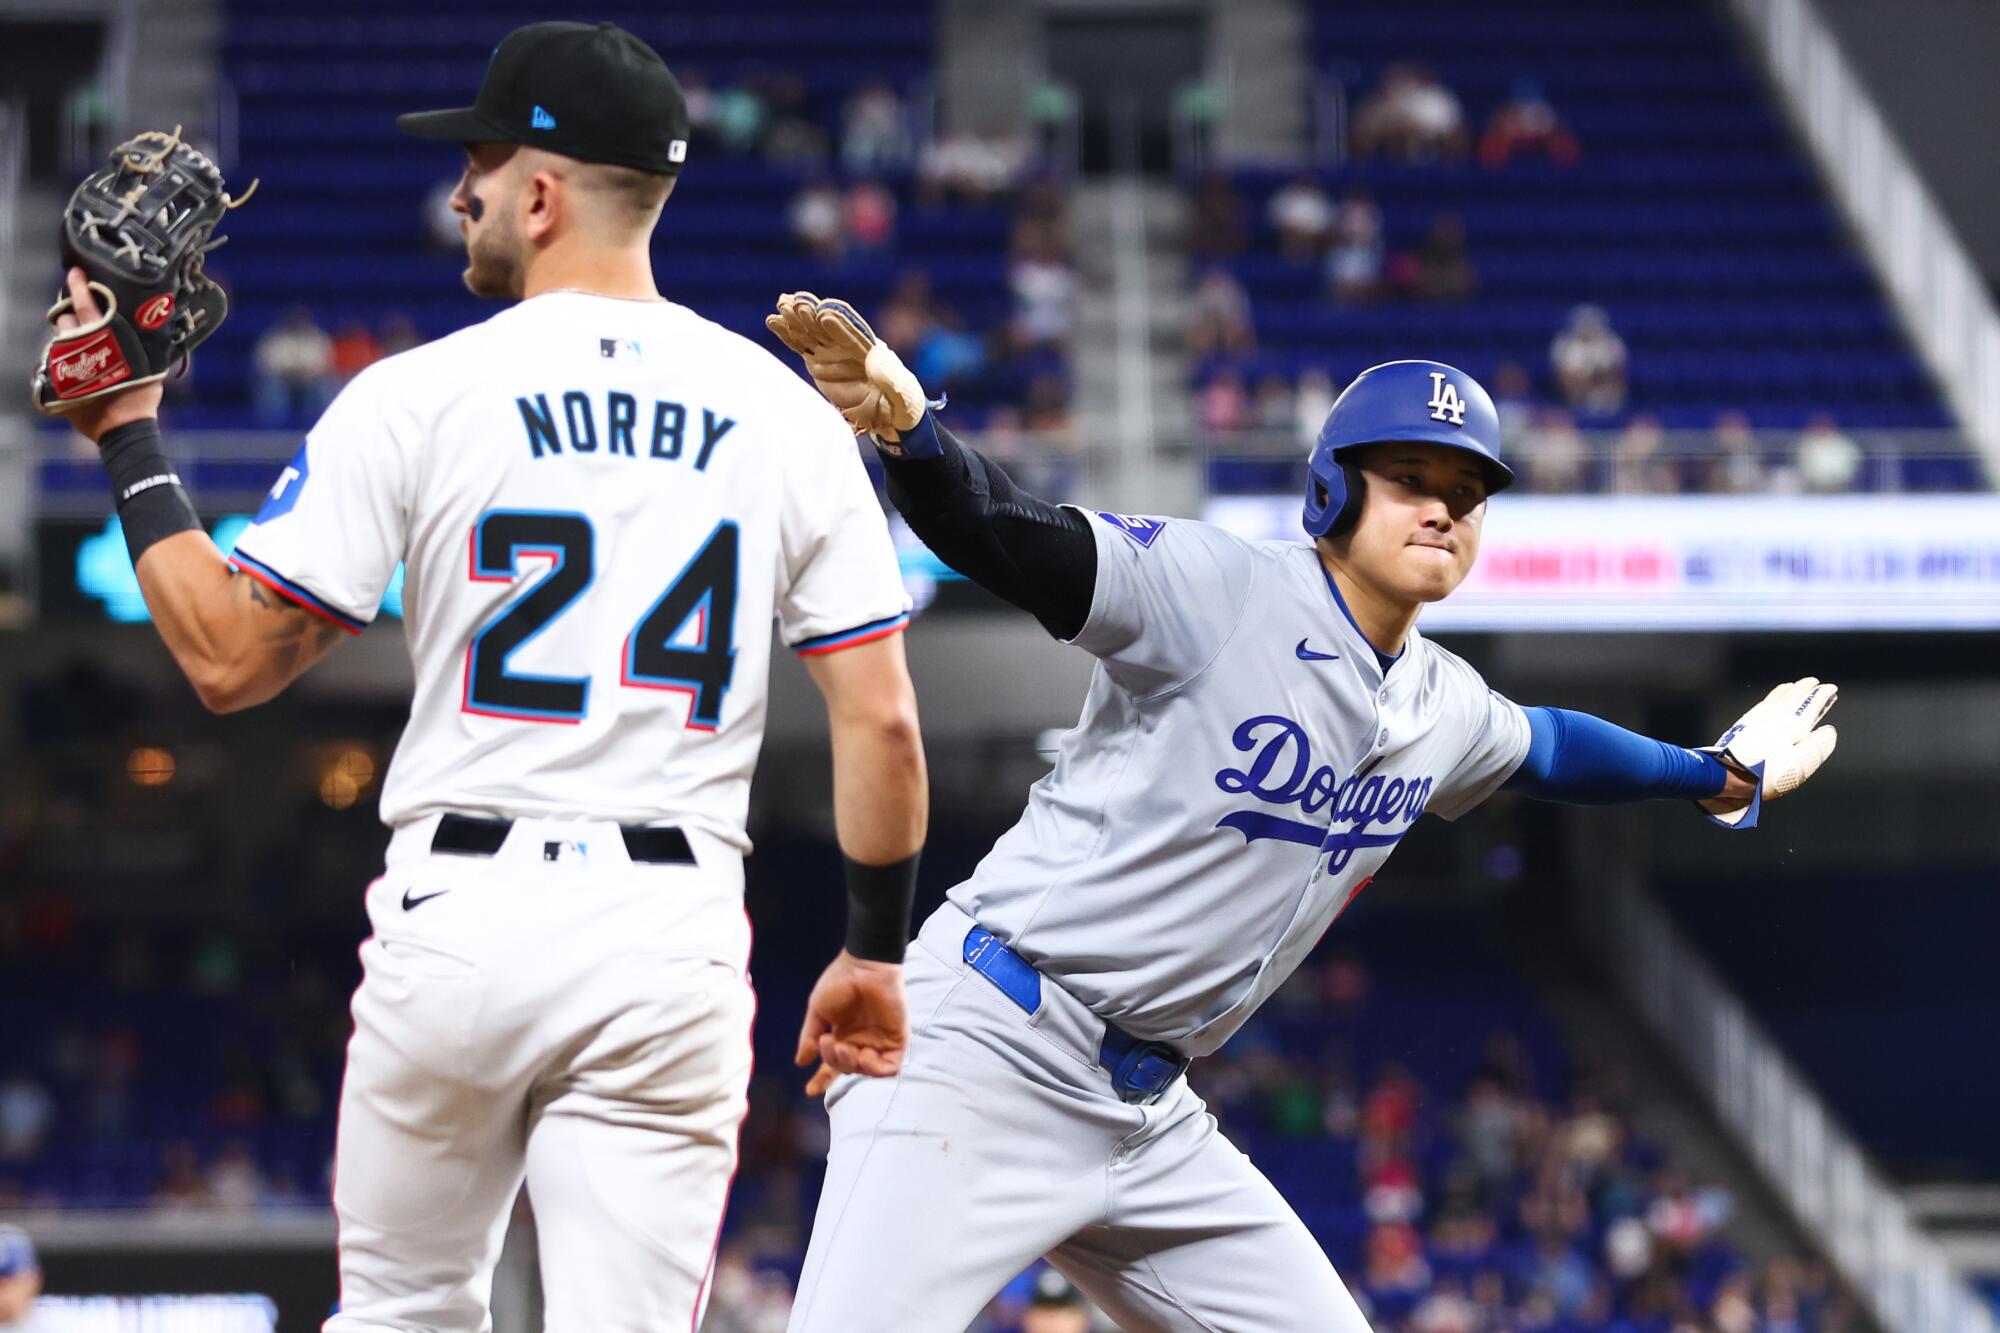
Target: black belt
[462,835]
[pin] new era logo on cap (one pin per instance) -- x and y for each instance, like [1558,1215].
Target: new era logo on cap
[541,120]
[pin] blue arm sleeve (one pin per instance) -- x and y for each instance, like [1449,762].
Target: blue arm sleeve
[1584,760]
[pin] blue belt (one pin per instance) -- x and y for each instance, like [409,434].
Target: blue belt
[1141,1071]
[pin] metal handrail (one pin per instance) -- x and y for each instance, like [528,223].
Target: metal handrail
[1798,1144]
[13,163]
[1329,121]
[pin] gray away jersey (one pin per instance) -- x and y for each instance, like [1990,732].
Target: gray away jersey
[1242,768]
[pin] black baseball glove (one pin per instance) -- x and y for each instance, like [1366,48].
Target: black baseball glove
[138,228]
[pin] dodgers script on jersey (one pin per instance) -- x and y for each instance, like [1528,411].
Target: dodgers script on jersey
[600,505]
[1233,695]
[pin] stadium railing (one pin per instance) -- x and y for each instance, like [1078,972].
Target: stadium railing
[1946,308]
[1819,1171]
[231,469]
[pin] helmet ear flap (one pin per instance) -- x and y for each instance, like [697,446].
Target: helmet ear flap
[1350,509]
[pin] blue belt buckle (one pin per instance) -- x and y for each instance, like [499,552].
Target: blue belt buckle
[1141,1071]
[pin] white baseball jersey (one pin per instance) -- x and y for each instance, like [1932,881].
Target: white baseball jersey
[600,504]
[1242,767]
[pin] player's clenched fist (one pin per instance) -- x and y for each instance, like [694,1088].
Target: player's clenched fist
[858,372]
[1777,745]
[856,1022]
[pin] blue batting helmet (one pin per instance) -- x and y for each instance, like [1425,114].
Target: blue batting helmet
[1398,401]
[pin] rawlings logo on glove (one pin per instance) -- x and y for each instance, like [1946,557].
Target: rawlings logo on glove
[1778,744]
[138,228]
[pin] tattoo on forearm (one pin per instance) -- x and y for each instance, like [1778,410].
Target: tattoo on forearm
[293,634]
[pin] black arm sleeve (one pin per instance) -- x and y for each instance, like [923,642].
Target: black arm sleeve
[1039,556]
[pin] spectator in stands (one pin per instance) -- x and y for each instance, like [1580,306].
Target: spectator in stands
[293,362]
[1828,461]
[1446,1310]
[1313,400]
[1057,1307]
[703,111]
[27,1111]
[20,1279]
[1639,465]
[1354,254]
[1041,220]
[181,1183]
[745,1299]
[398,334]
[1513,401]
[1410,116]
[818,221]
[739,119]
[354,350]
[1559,1272]
[1525,124]
[875,134]
[1444,264]
[1395,1261]
[791,137]
[1223,404]
[1048,413]
[1628,1249]
[947,354]
[1589,360]
[1302,215]
[970,169]
[1734,466]
[1486,1128]
[234,1180]
[1273,407]
[1044,290]
[870,216]
[1216,228]
[1219,317]
[1682,1218]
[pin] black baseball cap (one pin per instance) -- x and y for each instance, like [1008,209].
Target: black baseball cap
[593,92]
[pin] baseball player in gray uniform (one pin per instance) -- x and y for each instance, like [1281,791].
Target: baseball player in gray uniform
[1264,726]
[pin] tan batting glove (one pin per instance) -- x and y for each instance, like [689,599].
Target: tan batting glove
[1779,744]
[858,372]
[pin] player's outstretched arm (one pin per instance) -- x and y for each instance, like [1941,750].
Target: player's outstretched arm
[238,644]
[855,1020]
[1583,760]
[1038,556]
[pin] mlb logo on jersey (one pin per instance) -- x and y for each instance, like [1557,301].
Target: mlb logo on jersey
[613,348]
[1445,403]
[1144,531]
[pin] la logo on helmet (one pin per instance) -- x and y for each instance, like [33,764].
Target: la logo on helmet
[1445,403]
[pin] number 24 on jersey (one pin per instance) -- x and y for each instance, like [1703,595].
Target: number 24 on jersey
[703,592]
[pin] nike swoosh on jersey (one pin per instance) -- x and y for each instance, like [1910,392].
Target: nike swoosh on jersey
[410,903]
[1308,655]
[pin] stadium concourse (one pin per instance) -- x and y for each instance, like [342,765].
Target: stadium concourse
[1605,212]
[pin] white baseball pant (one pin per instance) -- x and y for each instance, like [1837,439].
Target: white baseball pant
[558,1012]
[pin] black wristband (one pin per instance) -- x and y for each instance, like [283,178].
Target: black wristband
[878,908]
[151,504]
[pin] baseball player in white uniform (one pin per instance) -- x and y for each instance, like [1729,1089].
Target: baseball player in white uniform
[601,501]
[1265,725]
